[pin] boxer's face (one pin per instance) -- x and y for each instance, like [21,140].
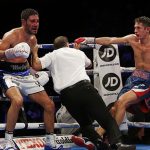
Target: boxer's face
[32,24]
[140,30]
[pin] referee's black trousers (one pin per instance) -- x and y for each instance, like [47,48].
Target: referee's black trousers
[85,104]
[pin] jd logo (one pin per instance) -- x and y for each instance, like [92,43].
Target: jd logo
[111,82]
[107,52]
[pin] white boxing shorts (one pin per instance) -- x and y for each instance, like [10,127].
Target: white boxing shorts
[26,84]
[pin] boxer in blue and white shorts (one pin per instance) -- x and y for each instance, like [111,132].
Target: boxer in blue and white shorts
[15,78]
[139,83]
[140,44]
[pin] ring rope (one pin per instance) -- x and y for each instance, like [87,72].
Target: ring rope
[122,69]
[69,125]
[83,46]
[138,124]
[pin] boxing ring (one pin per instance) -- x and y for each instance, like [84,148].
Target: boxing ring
[103,68]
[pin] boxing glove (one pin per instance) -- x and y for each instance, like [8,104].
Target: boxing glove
[20,50]
[85,40]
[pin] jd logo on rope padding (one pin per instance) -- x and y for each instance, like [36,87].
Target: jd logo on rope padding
[107,53]
[111,81]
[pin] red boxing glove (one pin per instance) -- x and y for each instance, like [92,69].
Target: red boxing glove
[80,40]
[85,40]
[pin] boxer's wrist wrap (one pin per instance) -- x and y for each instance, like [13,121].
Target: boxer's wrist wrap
[90,40]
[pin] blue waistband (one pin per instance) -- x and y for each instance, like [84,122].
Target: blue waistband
[23,73]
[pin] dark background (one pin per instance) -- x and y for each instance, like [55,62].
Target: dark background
[75,18]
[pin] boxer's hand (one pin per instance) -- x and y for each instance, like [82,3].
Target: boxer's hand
[42,77]
[85,40]
[20,50]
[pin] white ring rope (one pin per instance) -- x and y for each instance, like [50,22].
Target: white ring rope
[72,125]
[122,69]
[41,125]
[68,125]
[51,46]
[138,124]
[127,69]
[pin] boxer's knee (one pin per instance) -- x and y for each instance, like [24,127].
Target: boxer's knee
[119,104]
[17,102]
